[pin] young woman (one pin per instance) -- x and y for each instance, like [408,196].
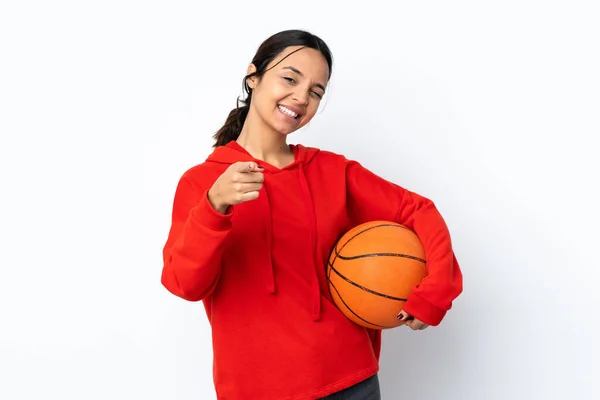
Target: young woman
[253,226]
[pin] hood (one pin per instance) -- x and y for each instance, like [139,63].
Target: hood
[232,153]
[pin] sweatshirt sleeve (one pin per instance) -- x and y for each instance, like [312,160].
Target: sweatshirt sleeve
[192,253]
[370,198]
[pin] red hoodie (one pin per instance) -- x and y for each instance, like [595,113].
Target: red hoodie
[260,271]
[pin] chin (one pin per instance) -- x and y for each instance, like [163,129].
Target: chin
[285,130]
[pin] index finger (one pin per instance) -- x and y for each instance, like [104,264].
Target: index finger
[247,166]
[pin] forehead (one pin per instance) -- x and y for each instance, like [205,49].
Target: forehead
[309,61]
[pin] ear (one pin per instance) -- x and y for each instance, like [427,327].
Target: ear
[252,80]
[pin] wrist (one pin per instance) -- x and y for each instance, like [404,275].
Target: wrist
[216,203]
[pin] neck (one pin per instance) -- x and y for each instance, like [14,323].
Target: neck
[261,141]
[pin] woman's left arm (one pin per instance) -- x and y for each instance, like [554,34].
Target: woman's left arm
[369,198]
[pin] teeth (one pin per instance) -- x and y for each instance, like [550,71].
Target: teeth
[288,112]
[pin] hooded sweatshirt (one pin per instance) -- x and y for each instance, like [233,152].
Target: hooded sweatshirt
[260,268]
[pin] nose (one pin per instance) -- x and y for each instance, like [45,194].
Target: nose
[301,96]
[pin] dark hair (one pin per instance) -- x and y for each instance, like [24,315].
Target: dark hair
[267,51]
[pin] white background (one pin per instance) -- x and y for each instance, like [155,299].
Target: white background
[489,108]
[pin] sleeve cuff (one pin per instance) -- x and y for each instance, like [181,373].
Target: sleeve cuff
[424,310]
[205,214]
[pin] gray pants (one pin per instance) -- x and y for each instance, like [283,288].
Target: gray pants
[365,390]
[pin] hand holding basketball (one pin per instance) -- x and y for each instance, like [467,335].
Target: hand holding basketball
[413,323]
[239,183]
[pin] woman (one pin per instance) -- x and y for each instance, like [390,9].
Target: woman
[253,225]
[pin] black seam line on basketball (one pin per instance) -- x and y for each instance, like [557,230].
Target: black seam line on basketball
[351,310]
[337,252]
[368,229]
[366,289]
[382,255]
[331,267]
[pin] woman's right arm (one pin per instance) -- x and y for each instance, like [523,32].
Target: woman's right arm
[201,221]
[194,247]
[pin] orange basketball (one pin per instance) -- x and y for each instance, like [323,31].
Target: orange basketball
[372,270]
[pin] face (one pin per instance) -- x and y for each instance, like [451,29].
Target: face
[288,95]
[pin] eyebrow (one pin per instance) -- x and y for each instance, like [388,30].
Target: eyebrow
[301,74]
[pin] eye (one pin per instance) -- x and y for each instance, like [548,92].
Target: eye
[317,94]
[291,80]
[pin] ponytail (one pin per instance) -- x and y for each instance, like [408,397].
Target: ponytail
[233,125]
[235,120]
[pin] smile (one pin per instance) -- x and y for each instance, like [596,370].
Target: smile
[288,112]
